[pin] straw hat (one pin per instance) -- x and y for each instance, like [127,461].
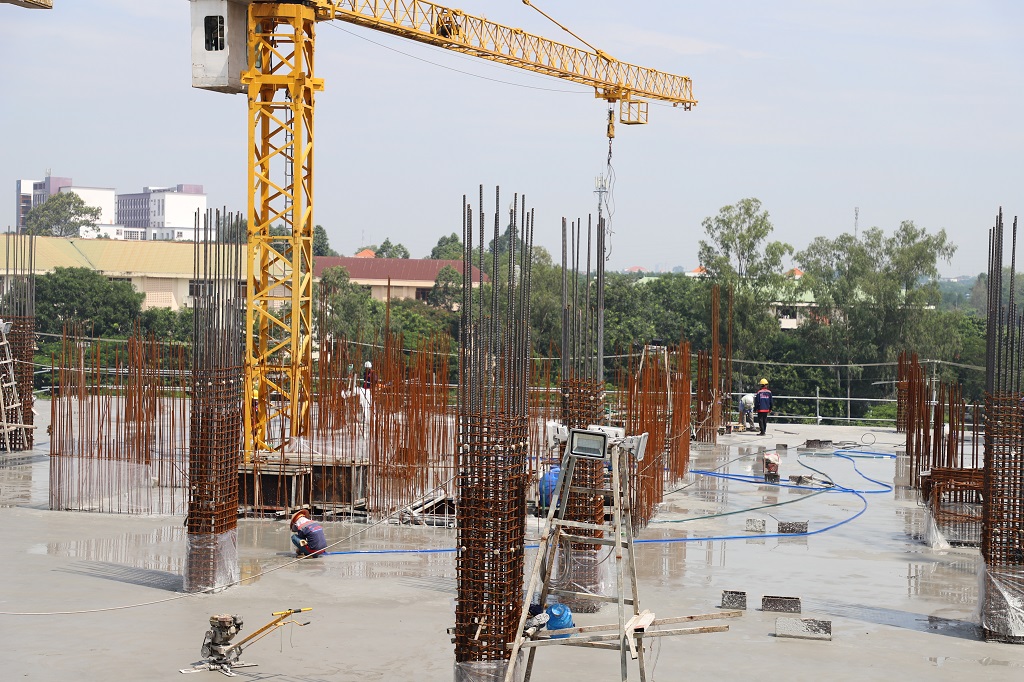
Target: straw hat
[298,515]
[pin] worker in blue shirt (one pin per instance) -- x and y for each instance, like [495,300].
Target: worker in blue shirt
[763,406]
[309,539]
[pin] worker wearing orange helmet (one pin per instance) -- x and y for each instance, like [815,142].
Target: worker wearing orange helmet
[308,538]
[763,406]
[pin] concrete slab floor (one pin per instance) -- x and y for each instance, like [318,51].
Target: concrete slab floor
[898,609]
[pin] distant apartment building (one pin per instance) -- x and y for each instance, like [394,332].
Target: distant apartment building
[159,213]
[22,203]
[42,190]
[32,193]
[102,198]
[154,214]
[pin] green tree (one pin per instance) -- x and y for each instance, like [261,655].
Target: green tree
[321,243]
[629,313]
[740,256]
[416,321]
[350,310]
[86,296]
[738,248]
[167,325]
[447,248]
[680,308]
[231,229]
[389,250]
[545,303]
[62,215]
[878,293]
[447,290]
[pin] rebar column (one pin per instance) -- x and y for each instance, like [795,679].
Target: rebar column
[1002,542]
[493,431]
[215,437]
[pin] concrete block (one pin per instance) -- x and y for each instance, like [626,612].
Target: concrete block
[731,599]
[803,628]
[792,526]
[756,525]
[780,604]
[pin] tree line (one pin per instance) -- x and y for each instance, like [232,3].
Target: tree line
[859,300]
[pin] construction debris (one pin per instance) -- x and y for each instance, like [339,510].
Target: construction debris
[803,628]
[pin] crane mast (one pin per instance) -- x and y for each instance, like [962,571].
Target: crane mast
[277,41]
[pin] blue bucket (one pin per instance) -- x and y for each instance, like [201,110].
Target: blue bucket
[559,618]
[547,485]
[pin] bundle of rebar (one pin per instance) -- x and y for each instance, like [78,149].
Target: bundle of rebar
[649,409]
[494,370]
[583,396]
[215,435]
[106,454]
[410,435]
[938,463]
[17,306]
[902,377]
[680,429]
[1002,542]
[705,428]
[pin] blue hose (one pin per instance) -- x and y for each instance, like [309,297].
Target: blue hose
[873,453]
[743,478]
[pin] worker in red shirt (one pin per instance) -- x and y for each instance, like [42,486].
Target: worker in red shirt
[763,406]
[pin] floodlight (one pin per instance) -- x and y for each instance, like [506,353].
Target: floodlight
[592,444]
[555,433]
[613,432]
[637,445]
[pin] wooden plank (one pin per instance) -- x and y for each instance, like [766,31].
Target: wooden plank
[587,639]
[579,539]
[702,616]
[683,631]
[587,595]
[582,524]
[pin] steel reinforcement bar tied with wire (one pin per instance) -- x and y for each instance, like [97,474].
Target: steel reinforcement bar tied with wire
[493,427]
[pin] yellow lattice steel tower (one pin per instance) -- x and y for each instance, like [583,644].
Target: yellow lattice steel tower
[281,90]
[266,50]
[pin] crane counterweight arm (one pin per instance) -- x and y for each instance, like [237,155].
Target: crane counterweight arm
[453,29]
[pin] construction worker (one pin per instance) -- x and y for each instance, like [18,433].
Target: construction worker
[747,412]
[763,405]
[308,538]
[365,392]
[369,376]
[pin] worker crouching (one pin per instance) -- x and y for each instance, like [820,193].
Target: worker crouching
[308,538]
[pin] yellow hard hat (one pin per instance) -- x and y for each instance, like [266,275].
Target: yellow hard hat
[764,382]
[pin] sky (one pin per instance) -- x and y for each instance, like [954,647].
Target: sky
[905,110]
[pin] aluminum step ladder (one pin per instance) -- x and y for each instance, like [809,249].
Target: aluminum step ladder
[12,418]
[633,625]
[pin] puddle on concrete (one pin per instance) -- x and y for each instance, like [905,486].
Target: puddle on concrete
[24,479]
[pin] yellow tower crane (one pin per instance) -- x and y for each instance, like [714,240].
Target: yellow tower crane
[266,50]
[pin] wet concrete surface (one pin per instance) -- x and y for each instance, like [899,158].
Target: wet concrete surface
[104,590]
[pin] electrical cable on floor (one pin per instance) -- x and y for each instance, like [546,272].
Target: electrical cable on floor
[742,511]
